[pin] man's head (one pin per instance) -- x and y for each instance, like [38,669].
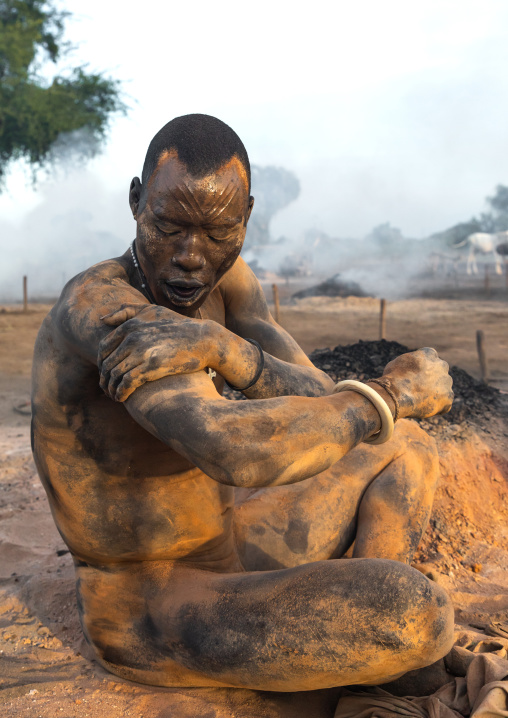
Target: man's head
[191,208]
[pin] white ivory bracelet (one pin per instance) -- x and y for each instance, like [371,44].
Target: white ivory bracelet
[382,408]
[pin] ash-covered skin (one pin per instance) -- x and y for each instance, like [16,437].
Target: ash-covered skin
[177,585]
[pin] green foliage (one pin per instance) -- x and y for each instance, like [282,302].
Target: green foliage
[34,113]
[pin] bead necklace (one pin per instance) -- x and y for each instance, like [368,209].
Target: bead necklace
[144,283]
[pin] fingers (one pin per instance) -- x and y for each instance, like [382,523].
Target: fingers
[111,375]
[126,387]
[126,311]
[111,342]
[450,397]
[117,355]
[429,351]
[126,384]
[127,376]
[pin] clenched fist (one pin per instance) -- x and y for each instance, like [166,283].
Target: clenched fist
[421,383]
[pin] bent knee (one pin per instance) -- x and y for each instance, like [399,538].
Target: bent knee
[437,626]
[429,622]
[411,434]
[419,447]
[416,614]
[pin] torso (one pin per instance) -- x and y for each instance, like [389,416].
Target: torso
[116,492]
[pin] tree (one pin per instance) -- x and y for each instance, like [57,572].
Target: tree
[273,188]
[34,112]
[387,238]
[499,206]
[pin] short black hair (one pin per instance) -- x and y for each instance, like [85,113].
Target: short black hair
[203,143]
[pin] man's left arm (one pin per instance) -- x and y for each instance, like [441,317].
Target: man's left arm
[287,369]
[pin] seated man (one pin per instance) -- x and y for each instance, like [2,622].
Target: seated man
[177,585]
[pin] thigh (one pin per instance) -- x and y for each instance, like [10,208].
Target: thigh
[326,624]
[315,519]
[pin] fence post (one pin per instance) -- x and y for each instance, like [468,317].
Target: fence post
[382,319]
[276,303]
[482,355]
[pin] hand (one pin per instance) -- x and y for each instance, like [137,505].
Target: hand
[421,382]
[150,342]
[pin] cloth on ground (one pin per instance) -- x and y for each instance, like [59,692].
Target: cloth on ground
[478,668]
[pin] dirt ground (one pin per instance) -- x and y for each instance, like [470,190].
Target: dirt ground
[465,548]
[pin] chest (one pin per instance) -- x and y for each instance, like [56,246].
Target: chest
[213,308]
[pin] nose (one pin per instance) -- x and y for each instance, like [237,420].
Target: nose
[188,254]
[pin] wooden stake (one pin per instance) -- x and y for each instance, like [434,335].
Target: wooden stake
[382,319]
[25,294]
[276,303]
[482,355]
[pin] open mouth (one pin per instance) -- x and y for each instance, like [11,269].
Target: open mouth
[183,292]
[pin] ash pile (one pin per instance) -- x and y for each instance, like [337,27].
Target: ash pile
[332,287]
[474,402]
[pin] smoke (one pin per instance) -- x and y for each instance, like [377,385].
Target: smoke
[74,148]
[76,224]
[79,222]
[384,263]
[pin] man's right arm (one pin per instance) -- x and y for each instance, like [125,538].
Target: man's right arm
[257,443]
[272,442]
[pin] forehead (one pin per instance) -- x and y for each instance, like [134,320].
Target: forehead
[171,183]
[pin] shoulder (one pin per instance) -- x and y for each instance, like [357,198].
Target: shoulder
[87,297]
[88,291]
[240,285]
[110,273]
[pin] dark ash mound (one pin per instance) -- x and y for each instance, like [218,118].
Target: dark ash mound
[366,360]
[333,287]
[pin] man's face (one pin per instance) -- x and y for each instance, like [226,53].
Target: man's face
[190,230]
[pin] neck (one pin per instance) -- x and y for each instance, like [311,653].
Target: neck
[145,287]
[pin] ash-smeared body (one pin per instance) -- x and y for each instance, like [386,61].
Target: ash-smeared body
[154,537]
[206,533]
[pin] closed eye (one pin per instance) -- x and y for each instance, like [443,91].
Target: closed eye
[221,235]
[169,231]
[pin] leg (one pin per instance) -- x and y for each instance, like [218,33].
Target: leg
[375,493]
[321,625]
[395,508]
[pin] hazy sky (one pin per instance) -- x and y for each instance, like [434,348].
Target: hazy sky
[386,110]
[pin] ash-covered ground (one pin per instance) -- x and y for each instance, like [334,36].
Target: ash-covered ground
[474,401]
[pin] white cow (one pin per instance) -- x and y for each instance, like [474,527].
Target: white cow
[481,243]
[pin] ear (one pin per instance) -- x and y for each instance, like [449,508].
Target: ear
[135,196]
[251,205]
